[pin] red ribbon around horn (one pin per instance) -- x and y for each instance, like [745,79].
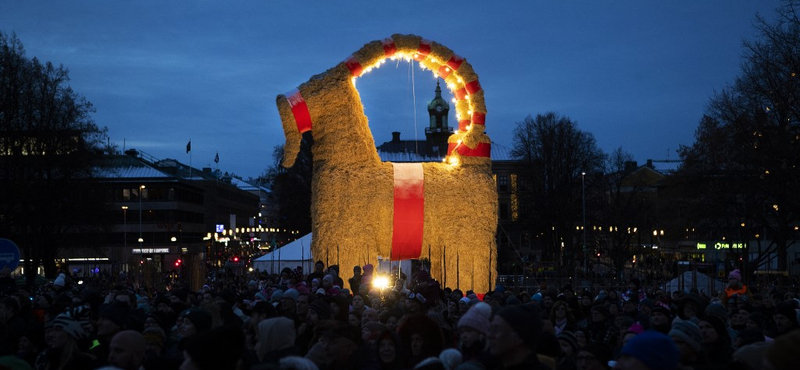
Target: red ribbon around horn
[299,110]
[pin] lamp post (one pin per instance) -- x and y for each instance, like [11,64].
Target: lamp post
[125,227]
[141,190]
[124,238]
[583,200]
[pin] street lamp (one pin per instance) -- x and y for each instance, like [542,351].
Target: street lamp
[125,227]
[583,200]
[141,190]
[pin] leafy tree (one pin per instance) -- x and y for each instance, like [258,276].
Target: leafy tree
[48,143]
[555,153]
[743,166]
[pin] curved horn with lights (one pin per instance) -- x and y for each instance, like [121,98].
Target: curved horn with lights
[470,141]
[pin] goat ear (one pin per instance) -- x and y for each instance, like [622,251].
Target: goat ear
[292,146]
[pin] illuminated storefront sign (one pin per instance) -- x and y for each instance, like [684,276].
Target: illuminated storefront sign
[149,250]
[723,246]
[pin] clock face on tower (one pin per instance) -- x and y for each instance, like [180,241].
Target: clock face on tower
[439,108]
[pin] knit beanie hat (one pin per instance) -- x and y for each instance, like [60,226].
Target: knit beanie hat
[322,308]
[328,278]
[786,309]
[450,358]
[69,323]
[636,328]
[477,317]
[717,310]
[154,336]
[720,327]
[276,296]
[417,296]
[570,338]
[291,293]
[757,318]
[689,332]
[116,312]
[662,309]
[601,351]
[656,350]
[783,353]
[60,280]
[600,309]
[752,354]
[735,274]
[201,318]
[525,320]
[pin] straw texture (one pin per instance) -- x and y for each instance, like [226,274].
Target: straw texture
[352,190]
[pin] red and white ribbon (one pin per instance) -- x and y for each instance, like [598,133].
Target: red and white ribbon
[299,110]
[481,150]
[409,211]
[473,87]
[389,48]
[354,66]
[423,50]
[460,93]
[479,118]
[451,65]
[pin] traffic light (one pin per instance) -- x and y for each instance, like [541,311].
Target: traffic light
[235,258]
[178,262]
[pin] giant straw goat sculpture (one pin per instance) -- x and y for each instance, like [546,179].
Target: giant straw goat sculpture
[363,208]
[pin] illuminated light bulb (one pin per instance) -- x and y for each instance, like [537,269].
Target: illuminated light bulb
[469,127]
[459,141]
[451,86]
[447,69]
[453,161]
[454,100]
[469,112]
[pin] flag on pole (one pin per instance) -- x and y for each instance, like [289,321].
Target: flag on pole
[189,146]
[216,158]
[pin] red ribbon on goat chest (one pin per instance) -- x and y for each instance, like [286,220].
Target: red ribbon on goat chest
[299,110]
[409,211]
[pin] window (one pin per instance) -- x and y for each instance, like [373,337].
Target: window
[502,183]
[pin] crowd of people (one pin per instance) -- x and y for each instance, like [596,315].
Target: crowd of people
[319,320]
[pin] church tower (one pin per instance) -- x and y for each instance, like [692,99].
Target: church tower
[438,131]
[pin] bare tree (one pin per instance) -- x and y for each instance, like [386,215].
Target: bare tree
[555,153]
[48,143]
[743,166]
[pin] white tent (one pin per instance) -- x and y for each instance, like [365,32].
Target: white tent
[693,279]
[296,253]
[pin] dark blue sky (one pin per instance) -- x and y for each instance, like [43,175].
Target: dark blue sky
[637,74]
